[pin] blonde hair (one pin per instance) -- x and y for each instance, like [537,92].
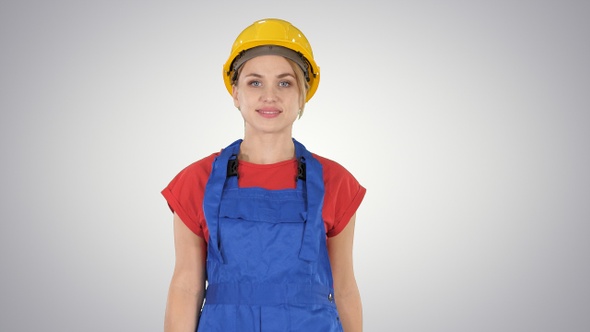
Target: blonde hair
[301,84]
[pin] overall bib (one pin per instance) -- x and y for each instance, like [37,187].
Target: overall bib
[267,261]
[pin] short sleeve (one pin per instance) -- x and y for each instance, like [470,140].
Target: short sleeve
[343,196]
[184,195]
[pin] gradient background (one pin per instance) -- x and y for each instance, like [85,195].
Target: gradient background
[468,122]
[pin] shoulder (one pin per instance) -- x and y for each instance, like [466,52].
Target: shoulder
[202,165]
[198,169]
[192,177]
[333,171]
[337,178]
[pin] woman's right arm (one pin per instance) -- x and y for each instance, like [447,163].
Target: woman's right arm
[187,287]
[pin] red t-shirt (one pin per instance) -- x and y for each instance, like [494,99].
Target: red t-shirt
[343,194]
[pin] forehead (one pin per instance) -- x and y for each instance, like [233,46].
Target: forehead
[268,63]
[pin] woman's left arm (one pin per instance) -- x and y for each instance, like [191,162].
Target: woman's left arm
[346,292]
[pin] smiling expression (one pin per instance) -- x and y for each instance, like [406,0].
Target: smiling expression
[267,95]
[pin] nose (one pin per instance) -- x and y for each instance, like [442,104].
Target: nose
[269,94]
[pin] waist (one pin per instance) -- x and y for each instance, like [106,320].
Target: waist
[268,294]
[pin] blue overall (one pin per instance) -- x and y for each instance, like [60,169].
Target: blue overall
[267,261]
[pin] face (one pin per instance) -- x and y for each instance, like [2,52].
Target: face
[267,95]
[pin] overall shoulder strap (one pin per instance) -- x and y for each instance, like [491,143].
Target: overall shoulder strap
[314,232]
[212,198]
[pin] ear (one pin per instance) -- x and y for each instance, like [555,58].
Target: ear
[234,94]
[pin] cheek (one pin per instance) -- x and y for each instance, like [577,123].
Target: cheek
[242,100]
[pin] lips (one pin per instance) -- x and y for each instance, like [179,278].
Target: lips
[269,112]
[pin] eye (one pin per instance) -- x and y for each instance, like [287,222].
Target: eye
[284,84]
[255,83]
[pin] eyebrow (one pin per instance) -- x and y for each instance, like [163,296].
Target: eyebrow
[286,75]
[278,76]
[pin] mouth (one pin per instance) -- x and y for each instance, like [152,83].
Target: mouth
[269,112]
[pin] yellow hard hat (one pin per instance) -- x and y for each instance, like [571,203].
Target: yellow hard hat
[272,36]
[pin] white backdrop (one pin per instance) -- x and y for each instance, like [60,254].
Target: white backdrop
[467,121]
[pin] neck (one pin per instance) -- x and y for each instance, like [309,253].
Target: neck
[266,149]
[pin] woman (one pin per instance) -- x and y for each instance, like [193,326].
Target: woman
[267,225]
